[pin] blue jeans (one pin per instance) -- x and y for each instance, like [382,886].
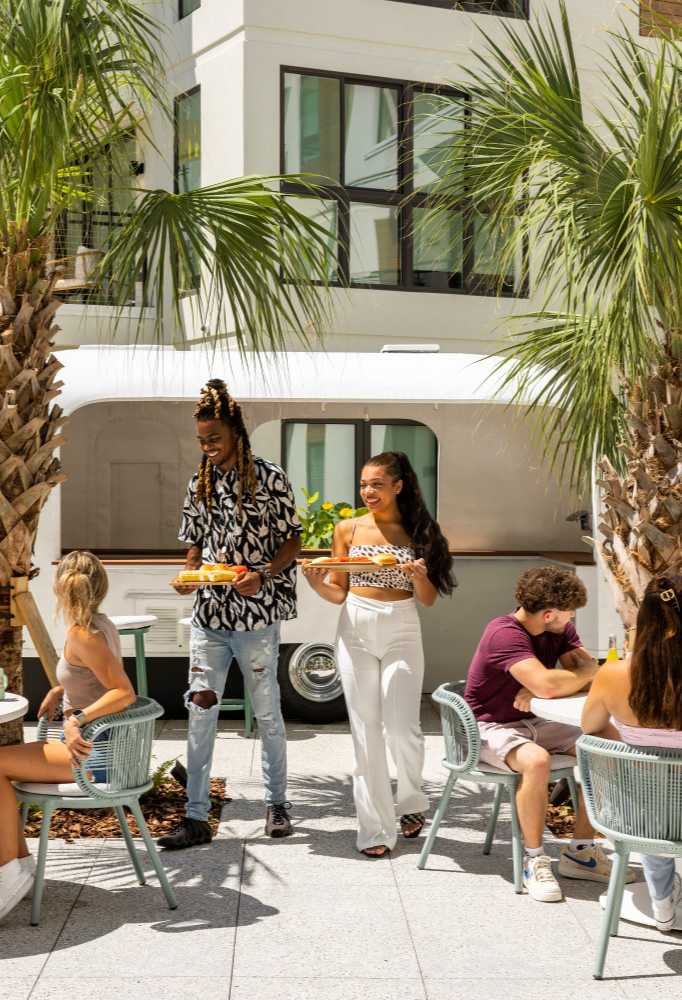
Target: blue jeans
[659,874]
[211,653]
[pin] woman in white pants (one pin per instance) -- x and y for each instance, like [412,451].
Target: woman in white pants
[378,646]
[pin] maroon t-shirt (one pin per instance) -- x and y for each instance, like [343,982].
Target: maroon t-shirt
[490,688]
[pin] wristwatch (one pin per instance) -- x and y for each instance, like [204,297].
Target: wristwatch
[265,573]
[79,717]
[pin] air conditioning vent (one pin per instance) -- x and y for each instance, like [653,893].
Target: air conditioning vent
[166,637]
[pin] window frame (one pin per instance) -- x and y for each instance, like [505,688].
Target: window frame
[347,195]
[363,443]
[470,7]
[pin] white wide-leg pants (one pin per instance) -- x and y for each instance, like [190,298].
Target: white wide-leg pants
[381,662]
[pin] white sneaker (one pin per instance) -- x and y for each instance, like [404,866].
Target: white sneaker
[15,882]
[664,909]
[588,863]
[539,880]
[28,864]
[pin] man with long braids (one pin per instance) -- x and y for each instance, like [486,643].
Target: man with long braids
[239,509]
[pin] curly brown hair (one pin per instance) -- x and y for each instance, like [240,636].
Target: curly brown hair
[550,587]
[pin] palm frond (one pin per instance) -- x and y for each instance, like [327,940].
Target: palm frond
[246,261]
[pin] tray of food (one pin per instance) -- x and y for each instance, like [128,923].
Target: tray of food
[209,574]
[352,564]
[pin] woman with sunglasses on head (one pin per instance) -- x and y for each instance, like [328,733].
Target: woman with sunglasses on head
[641,699]
[379,648]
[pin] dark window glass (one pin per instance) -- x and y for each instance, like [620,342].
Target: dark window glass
[374,245]
[371,162]
[187,6]
[188,141]
[421,447]
[312,138]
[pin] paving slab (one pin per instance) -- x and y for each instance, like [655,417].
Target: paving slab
[15,987]
[245,988]
[556,988]
[345,932]
[133,988]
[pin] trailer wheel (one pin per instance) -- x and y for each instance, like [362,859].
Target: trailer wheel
[310,684]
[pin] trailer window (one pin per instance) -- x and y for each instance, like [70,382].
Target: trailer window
[320,457]
[326,457]
[421,447]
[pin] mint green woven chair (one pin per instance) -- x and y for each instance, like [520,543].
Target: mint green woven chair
[633,796]
[462,760]
[125,749]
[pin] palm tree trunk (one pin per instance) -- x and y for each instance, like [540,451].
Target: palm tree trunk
[642,523]
[29,426]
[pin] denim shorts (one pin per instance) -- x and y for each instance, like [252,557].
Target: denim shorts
[97,768]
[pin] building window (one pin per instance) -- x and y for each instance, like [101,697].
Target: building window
[187,171]
[376,148]
[83,233]
[186,7]
[188,140]
[326,457]
[501,8]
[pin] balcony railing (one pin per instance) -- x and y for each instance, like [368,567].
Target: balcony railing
[81,241]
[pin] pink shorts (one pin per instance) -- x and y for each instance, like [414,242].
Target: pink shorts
[498,739]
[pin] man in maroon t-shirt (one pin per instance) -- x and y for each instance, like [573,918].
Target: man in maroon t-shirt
[516,660]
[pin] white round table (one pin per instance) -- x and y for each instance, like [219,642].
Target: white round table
[636,900]
[13,706]
[566,710]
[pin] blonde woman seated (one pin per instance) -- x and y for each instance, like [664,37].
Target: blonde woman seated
[92,683]
[642,699]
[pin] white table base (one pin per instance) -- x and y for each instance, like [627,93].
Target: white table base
[637,906]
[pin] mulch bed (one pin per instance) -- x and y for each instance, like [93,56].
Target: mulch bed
[560,820]
[163,807]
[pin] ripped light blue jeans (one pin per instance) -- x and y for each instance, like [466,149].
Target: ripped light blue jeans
[211,653]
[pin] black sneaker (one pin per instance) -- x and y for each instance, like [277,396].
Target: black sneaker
[277,822]
[179,772]
[190,833]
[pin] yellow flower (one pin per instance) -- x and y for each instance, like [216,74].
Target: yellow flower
[346,512]
[313,498]
[327,506]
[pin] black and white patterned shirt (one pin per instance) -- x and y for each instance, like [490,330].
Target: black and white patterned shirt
[250,540]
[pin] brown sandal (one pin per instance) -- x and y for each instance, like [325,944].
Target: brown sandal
[412,819]
[379,851]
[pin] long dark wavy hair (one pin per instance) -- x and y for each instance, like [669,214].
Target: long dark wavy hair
[430,544]
[656,667]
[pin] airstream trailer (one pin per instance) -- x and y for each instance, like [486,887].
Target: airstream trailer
[131,449]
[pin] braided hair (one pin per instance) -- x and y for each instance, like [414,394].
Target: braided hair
[429,541]
[216,403]
[656,667]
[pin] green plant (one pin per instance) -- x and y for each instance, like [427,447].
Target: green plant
[318,519]
[161,773]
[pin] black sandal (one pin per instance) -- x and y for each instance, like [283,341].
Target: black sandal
[412,819]
[369,852]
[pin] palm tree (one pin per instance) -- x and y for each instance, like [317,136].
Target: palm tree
[76,79]
[597,193]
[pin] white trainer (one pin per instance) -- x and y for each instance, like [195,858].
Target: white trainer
[588,863]
[664,909]
[28,864]
[15,882]
[539,880]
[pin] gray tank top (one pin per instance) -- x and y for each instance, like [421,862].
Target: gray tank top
[81,686]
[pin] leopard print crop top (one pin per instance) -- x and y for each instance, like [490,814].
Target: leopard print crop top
[389,578]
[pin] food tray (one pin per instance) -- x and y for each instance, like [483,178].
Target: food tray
[195,584]
[348,567]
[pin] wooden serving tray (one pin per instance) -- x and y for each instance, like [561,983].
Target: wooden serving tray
[346,567]
[195,584]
